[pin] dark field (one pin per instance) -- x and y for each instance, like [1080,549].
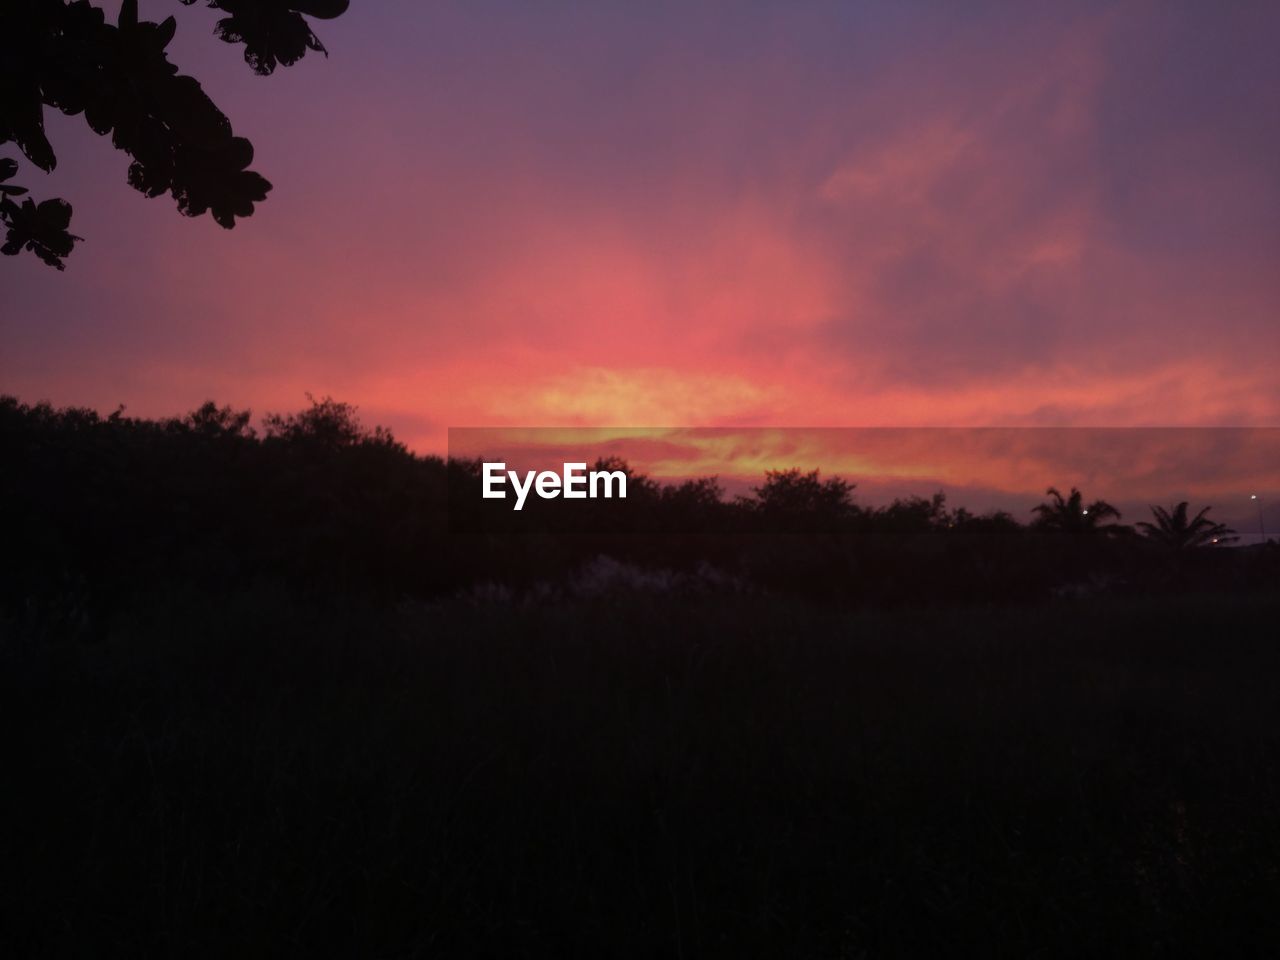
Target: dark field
[645,776]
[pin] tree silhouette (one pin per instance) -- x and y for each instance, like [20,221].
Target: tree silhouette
[327,424]
[65,55]
[797,500]
[210,420]
[914,515]
[1172,529]
[1071,515]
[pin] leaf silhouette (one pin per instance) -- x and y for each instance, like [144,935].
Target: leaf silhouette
[40,228]
[273,31]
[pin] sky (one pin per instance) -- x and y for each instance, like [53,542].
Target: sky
[698,215]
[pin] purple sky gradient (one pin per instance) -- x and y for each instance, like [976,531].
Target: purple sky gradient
[704,214]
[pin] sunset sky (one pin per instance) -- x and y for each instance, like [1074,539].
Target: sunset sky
[756,214]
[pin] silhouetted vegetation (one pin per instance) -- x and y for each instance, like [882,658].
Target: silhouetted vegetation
[96,508]
[263,695]
[1173,530]
[1070,514]
[67,56]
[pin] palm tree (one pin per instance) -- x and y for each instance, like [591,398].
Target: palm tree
[1172,529]
[1070,515]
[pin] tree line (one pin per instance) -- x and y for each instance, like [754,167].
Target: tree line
[102,511]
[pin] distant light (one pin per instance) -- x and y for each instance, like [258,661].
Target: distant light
[1215,539]
[1085,512]
[1253,496]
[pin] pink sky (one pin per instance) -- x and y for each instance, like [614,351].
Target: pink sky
[764,214]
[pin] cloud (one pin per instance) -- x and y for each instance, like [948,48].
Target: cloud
[779,216]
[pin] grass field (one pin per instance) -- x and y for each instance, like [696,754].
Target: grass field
[641,776]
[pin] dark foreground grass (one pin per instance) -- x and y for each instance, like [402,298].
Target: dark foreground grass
[253,775]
